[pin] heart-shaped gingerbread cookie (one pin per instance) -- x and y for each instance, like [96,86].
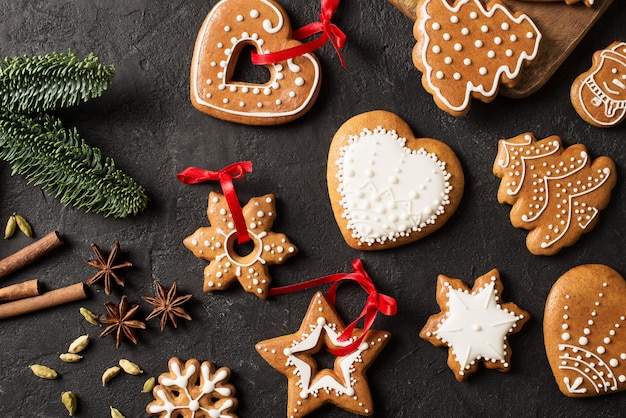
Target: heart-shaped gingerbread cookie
[262,24]
[585,331]
[386,187]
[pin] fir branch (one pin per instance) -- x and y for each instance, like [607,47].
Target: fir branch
[46,82]
[57,159]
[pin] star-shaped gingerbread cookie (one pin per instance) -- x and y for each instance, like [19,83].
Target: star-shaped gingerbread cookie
[309,387]
[474,324]
[217,244]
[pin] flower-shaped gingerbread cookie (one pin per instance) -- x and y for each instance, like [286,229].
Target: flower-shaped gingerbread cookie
[466,50]
[217,244]
[474,323]
[599,94]
[230,27]
[193,390]
[309,387]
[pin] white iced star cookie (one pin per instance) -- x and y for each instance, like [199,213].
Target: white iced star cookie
[474,323]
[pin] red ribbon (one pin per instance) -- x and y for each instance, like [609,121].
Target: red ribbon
[375,302]
[330,32]
[193,175]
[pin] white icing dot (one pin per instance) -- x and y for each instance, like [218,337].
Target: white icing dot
[454,19]
[458,47]
[513,38]
[446,36]
[473,15]
[439,75]
[299,81]
[239,18]
[509,53]
[436,49]
[565,336]
[583,341]
[456,76]
[505,26]
[484,28]
[482,70]
[465,31]
[478,43]
[613,362]
[622,378]
[491,54]
[436,26]
[254,13]
[447,60]
[497,40]
[530,35]
[226,28]
[467,61]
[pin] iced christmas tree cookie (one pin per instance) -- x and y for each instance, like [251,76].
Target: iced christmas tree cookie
[474,324]
[466,49]
[585,331]
[599,94]
[557,194]
[386,187]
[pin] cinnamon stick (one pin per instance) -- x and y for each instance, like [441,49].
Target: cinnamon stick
[47,300]
[29,253]
[20,291]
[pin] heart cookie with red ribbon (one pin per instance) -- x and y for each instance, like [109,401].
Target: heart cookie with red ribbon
[230,27]
[585,331]
[386,187]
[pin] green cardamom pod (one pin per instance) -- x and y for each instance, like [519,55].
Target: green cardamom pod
[148,385]
[69,400]
[79,344]
[9,230]
[71,357]
[90,317]
[24,226]
[130,367]
[44,372]
[115,413]
[109,374]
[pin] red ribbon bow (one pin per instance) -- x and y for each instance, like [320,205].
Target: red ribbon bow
[194,175]
[330,32]
[376,302]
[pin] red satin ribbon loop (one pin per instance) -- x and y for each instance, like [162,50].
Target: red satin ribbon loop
[329,33]
[194,175]
[376,302]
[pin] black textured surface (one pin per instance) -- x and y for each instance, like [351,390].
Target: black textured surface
[147,124]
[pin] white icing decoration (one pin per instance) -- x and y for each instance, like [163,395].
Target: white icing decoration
[524,163]
[199,87]
[511,73]
[378,210]
[180,383]
[476,326]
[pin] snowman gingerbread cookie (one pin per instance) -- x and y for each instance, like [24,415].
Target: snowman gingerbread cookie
[599,94]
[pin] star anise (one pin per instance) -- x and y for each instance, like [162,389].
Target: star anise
[106,266]
[119,321]
[167,305]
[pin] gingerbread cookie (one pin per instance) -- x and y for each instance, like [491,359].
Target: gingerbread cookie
[309,387]
[584,331]
[386,187]
[217,244]
[465,50]
[588,3]
[231,26]
[599,94]
[193,390]
[556,193]
[474,324]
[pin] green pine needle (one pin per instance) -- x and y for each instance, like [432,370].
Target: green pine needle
[46,82]
[57,159]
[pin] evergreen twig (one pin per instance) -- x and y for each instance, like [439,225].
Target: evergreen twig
[57,159]
[45,82]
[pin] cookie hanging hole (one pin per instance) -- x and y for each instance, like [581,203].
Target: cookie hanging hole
[324,359]
[243,249]
[245,71]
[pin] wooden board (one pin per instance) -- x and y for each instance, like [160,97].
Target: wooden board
[562,27]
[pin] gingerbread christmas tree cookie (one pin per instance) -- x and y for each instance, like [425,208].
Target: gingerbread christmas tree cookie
[474,324]
[218,245]
[557,194]
[466,49]
[310,387]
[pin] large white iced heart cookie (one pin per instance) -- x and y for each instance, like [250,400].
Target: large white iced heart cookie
[386,187]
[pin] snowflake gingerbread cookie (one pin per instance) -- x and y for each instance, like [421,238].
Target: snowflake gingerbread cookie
[310,387]
[584,333]
[193,390]
[217,244]
[556,193]
[474,323]
[465,50]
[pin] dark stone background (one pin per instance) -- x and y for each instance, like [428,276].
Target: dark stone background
[147,124]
